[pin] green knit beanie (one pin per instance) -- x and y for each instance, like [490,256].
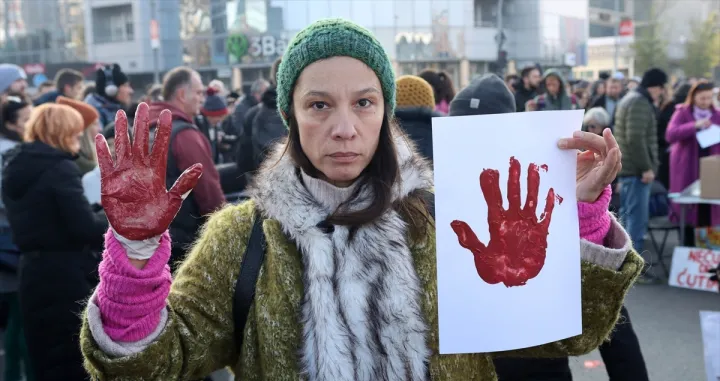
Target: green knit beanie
[332,38]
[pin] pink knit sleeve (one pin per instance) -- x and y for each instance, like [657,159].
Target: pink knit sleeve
[131,300]
[595,218]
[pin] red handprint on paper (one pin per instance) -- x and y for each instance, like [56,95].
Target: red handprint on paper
[518,239]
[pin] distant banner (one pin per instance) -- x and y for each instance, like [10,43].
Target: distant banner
[708,237]
[691,268]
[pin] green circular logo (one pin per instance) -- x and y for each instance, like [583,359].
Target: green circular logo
[237,45]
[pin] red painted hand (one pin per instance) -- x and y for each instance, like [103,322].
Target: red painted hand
[133,191]
[518,239]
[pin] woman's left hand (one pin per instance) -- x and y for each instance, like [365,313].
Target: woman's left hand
[597,165]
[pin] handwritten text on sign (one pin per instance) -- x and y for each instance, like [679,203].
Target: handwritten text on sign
[691,268]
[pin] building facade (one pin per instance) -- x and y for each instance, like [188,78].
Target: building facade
[237,40]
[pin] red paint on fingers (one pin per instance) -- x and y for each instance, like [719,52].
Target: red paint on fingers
[518,239]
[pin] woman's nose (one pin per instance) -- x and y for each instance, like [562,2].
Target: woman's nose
[344,126]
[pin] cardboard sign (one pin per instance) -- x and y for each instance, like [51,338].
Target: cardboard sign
[508,266]
[691,268]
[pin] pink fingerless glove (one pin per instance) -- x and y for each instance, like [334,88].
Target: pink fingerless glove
[131,300]
[595,218]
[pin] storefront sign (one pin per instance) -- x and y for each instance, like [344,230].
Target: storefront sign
[257,47]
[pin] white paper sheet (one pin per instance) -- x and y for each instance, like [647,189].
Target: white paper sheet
[708,137]
[710,327]
[475,316]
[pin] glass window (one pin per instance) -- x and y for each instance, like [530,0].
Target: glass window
[318,9]
[597,30]
[457,12]
[341,9]
[384,13]
[362,13]
[402,13]
[196,52]
[422,13]
[608,4]
[296,15]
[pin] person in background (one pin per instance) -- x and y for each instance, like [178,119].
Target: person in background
[415,110]
[87,90]
[231,100]
[555,97]
[633,83]
[371,316]
[696,114]
[527,88]
[669,100]
[598,89]
[581,94]
[91,180]
[59,237]
[442,86]
[266,125]
[68,83]
[511,81]
[716,97]
[15,114]
[12,80]
[242,124]
[45,88]
[219,87]
[184,95]
[636,133]
[214,112]
[86,159]
[257,89]
[153,94]
[596,120]
[112,93]
[610,99]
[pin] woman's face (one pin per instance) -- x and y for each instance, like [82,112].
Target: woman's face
[339,107]
[703,99]
[552,84]
[23,117]
[595,128]
[94,129]
[75,144]
[601,89]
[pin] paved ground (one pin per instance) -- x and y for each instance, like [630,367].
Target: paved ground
[666,320]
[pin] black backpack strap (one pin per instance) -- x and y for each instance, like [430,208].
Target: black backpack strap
[249,271]
[429,198]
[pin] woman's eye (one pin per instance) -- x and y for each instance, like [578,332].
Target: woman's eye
[319,105]
[364,103]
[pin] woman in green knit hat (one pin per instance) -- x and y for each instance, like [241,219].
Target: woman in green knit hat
[347,289]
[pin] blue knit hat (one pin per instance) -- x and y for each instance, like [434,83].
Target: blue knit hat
[332,38]
[9,73]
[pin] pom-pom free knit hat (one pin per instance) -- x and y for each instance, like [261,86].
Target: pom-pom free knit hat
[485,95]
[10,73]
[215,105]
[332,38]
[654,78]
[88,113]
[413,91]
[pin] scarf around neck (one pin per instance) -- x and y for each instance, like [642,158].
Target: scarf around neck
[701,114]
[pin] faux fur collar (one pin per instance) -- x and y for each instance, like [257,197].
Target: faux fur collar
[361,314]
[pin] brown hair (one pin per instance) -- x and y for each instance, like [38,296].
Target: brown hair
[174,79]
[67,77]
[381,174]
[55,125]
[697,88]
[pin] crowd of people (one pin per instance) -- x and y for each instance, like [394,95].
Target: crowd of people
[328,124]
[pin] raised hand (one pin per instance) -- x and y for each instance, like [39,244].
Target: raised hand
[133,191]
[518,239]
[597,165]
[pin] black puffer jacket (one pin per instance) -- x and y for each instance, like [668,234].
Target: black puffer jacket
[58,235]
[267,126]
[417,123]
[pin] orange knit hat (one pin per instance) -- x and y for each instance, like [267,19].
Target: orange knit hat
[89,114]
[413,91]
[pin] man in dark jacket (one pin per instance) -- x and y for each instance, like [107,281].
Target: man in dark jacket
[636,133]
[184,96]
[415,101]
[527,88]
[68,83]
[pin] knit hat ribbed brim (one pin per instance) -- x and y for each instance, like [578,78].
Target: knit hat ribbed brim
[332,38]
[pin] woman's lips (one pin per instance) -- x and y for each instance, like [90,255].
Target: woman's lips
[344,157]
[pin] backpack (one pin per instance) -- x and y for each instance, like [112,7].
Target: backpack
[250,269]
